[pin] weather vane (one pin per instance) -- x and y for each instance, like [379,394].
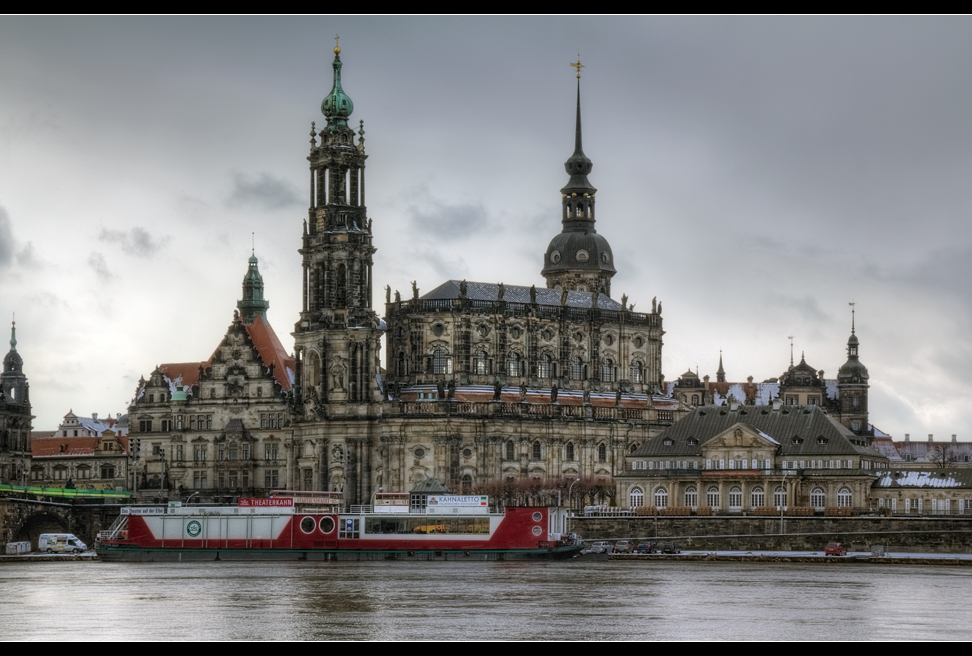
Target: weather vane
[578,65]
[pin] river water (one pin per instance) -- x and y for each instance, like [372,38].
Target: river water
[485,600]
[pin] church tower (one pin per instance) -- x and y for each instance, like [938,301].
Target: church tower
[337,336]
[852,388]
[253,304]
[578,259]
[15,417]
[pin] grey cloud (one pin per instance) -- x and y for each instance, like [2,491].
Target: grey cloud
[6,239]
[136,240]
[806,307]
[97,262]
[446,221]
[264,190]
[27,257]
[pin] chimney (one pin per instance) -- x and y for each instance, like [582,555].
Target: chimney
[907,437]
[94,415]
[954,438]
[930,438]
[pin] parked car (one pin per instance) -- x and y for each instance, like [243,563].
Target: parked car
[835,549]
[645,548]
[622,546]
[602,547]
[670,548]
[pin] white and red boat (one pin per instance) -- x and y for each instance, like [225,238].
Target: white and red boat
[312,526]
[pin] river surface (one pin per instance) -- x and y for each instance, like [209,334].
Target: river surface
[484,601]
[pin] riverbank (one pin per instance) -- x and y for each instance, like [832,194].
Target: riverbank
[957,560]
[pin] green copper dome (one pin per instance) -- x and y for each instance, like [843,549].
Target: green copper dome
[337,106]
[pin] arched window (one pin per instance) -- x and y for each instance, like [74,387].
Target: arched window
[712,496]
[607,370]
[481,363]
[817,498]
[602,452]
[537,452]
[577,369]
[510,450]
[637,372]
[440,362]
[735,498]
[661,497]
[695,399]
[691,496]
[844,497]
[636,497]
[546,366]
[758,497]
[779,497]
[570,452]
[466,484]
[402,364]
[513,364]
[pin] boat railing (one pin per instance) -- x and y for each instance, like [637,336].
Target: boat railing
[116,530]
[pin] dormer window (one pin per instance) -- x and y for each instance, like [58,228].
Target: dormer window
[798,440]
[667,442]
[821,440]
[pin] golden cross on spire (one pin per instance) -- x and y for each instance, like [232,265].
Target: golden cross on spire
[578,66]
[337,48]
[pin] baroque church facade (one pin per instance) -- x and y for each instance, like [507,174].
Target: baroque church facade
[481,382]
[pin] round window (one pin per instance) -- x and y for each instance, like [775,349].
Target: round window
[537,530]
[579,337]
[327,525]
[638,342]
[467,453]
[307,524]
[537,516]
[419,452]
[438,329]
[555,257]
[608,340]
[582,256]
[605,258]
[483,330]
[547,335]
[515,332]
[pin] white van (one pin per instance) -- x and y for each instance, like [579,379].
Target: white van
[60,543]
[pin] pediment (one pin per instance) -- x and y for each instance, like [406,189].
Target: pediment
[740,435]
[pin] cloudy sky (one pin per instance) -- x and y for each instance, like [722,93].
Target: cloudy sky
[755,174]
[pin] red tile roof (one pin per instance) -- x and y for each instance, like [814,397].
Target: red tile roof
[50,447]
[271,351]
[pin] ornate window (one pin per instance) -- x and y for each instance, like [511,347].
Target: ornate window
[481,363]
[607,370]
[570,452]
[817,498]
[758,497]
[779,497]
[546,366]
[537,451]
[636,497]
[844,497]
[513,364]
[440,362]
[602,452]
[510,450]
[577,369]
[661,497]
[637,372]
[712,496]
[735,498]
[691,496]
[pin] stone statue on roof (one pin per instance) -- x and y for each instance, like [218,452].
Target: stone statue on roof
[414,290]
[387,293]
[563,297]
[398,296]
[654,304]
[624,301]
[463,288]
[617,397]
[440,387]
[500,291]
[533,293]
[452,389]
[497,389]
[523,393]
[587,397]
[553,393]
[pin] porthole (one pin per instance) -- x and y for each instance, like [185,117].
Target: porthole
[547,335]
[419,452]
[555,257]
[537,530]
[605,258]
[608,340]
[515,332]
[327,525]
[483,330]
[582,256]
[467,453]
[537,516]
[307,524]
[638,342]
[438,329]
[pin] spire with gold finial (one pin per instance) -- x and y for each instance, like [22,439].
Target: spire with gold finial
[337,106]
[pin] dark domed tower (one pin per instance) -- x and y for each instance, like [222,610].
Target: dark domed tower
[15,417]
[852,389]
[337,336]
[253,304]
[579,259]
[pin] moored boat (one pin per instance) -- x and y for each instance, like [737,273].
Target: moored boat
[314,526]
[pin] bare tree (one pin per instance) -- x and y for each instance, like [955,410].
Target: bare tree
[942,456]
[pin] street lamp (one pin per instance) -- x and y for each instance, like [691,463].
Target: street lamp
[571,487]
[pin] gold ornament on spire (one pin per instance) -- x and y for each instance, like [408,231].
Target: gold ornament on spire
[578,66]
[337,49]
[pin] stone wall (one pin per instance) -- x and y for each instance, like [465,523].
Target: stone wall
[915,534]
